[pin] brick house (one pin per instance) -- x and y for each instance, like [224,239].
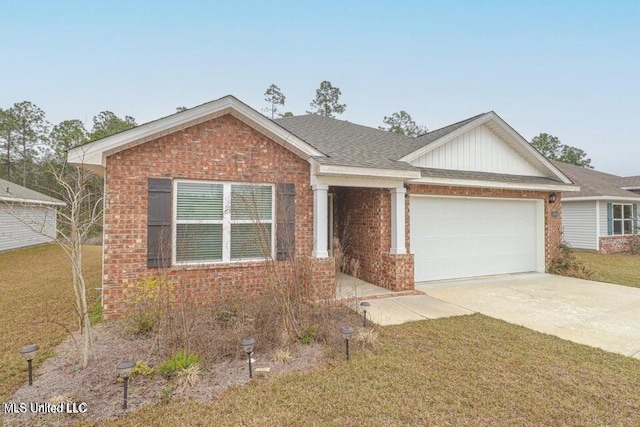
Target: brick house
[603,215]
[209,193]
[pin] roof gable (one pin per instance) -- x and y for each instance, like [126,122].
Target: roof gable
[93,155]
[483,143]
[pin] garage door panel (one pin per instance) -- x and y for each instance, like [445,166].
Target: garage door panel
[458,237]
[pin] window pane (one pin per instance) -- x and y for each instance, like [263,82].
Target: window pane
[199,201]
[617,227]
[199,242]
[251,202]
[250,241]
[628,226]
[627,212]
[617,211]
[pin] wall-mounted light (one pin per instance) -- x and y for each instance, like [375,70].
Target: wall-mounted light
[552,198]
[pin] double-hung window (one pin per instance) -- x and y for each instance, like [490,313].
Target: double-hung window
[222,222]
[622,216]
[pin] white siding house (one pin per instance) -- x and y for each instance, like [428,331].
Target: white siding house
[579,224]
[27,218]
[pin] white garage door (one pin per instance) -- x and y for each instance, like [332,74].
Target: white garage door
[465,237]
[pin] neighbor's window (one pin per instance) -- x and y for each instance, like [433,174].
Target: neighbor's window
[622,219]
[222,222]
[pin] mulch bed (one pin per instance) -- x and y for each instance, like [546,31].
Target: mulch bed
[61,380]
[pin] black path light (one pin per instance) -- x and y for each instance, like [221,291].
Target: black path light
[29,352]
[124,369]
[346,334]
[365,306]
[247,345]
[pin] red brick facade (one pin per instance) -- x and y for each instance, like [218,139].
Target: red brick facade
[613,244]
[223,149]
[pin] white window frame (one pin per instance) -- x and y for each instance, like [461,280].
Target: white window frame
[226,222]
[621,220]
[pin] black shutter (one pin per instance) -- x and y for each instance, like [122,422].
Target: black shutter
[159,242]
[286,220]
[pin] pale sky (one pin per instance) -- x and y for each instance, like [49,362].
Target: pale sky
[568,68]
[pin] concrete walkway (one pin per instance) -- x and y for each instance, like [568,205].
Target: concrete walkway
[593,313]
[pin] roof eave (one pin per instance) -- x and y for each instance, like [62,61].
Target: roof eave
[31,201]
[601,198]
[96,152]
[495,184]
[371,172]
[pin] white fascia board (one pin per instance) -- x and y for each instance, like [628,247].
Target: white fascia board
[438,142]
[494,184]
[30,201]
[633,187]
[95,153]
[320,169]
[357,181]
[602,198]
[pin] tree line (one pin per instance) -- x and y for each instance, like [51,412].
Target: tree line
[30,145]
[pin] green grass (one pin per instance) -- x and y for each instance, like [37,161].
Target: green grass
[37,305]
[622,269]
[468,370]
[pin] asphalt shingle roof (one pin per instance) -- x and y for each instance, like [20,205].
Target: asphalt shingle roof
[629,181]
[488,176]
[349,144]
[14,191]
[593,183]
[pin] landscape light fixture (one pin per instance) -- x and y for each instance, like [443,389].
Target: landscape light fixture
[346,334]
[365,305]
[247,345]
[124,369]
[553,197]
[29,352]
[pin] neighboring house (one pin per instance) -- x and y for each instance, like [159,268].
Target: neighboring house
[200,196]
[603,214]
[27,218]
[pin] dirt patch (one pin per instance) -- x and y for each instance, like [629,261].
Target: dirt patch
[60,380]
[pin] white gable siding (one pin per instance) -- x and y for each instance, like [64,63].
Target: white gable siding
[579,224]
[477,150]
[22,226]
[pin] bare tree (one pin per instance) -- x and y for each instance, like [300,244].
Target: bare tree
[81,213]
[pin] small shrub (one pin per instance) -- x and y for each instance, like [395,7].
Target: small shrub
[567,264]
[634,244]
[189,376]
[177,362]
[282,355]
[142,368]
[366,338]
[309,335]
[149,302]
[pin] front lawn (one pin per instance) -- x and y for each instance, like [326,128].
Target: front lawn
[469,370]
[37,305]
[622,269]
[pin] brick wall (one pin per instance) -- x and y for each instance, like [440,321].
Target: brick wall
[222,149]
[553,225]
[613,244]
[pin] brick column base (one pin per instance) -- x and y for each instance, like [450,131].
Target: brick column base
[322,279]
[397,272]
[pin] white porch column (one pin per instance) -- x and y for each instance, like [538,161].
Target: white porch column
[398,245]
[320,220]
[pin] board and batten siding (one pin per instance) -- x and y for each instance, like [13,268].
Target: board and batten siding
[579,222]
[22,226]
[479,150]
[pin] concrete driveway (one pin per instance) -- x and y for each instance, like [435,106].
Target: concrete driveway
[593,313]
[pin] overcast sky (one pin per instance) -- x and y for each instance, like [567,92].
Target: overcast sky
[568,68]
